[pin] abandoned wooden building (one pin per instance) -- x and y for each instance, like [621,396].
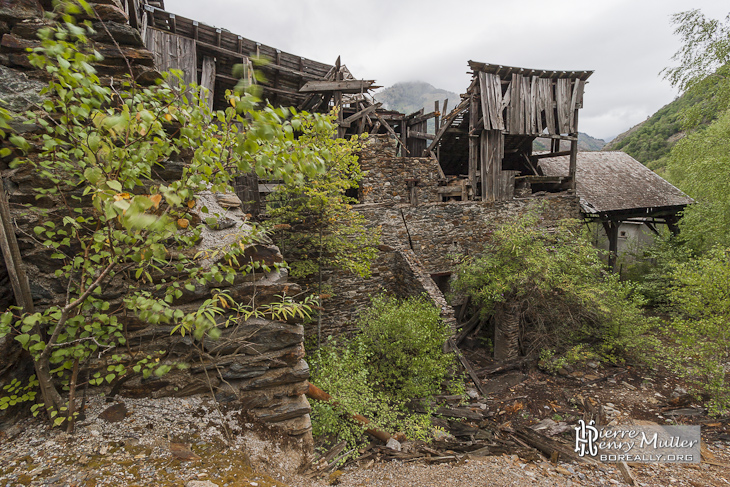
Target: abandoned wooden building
[615,189]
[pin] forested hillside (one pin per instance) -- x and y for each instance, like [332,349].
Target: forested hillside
[650,141]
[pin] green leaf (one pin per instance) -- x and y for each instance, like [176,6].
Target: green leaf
[23,339]
[93,175]
[115,185]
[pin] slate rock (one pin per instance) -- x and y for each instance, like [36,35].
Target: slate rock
[15,10]
[124,34]
[288,409]
[19,92]
[115,413]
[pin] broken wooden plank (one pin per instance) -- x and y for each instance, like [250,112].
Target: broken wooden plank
[447,121]
[467,366]
[207,80]
[343,86]
[389,129]
[551,447]
[348,121]
[626,473]
[421,135]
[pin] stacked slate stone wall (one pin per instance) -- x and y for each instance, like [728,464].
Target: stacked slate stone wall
[257,365]
[420,241]
[395,272]
[387,176]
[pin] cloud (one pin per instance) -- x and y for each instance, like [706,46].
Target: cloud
[627,43]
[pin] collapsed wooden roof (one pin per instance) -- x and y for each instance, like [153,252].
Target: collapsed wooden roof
[190,42]
[616,184]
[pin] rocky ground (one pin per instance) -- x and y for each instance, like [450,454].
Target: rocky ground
[187,442]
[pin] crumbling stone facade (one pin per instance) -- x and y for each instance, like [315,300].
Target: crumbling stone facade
[257,365]
[422,240]
[389,178]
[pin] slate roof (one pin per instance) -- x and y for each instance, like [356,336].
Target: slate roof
[616,182]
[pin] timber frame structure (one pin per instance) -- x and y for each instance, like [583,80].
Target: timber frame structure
[207,55]
[486,141]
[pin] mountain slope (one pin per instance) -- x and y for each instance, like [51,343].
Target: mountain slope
[408,97]
[650,141]
[586,143]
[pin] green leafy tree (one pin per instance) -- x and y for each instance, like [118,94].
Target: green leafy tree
[112,223]
[315,224]
[699,334]
[550,287]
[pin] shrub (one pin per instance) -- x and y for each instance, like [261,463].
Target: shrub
[557,284]
[699,334]
[397,357]
[405,339]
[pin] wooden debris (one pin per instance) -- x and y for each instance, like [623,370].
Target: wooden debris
[626,473]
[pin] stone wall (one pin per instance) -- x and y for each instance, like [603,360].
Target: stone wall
[257,365]
[424,240]
[387,176]
[395,272]
[435,232]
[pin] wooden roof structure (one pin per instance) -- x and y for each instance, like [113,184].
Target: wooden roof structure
[488,136]
[207,56]
[615,185]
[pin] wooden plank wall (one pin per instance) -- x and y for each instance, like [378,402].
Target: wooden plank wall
[530,104]
[492,153]
[173,52]
[207,79]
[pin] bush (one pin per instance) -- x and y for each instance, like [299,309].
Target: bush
[397,357]
[558,285]
[405,338]
[699,334]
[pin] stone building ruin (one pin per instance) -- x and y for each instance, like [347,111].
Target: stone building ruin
[433,195]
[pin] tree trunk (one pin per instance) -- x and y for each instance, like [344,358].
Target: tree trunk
[507,331]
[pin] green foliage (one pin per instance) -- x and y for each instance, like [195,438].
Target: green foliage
[397,358]
[651,268]
[705,48]
[699,335]
[314,223]
[406,339]
[700,166]
[559,283]
[97,154]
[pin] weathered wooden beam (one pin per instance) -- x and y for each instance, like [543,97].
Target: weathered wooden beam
[473,142]
[420,135]
[423,118]
[550,154]
[237,57]
[389,129]
[207,80]
[447,121]
[343,86]
[348,121]
[437,121]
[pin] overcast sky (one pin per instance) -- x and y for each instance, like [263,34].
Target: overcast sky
[626,42]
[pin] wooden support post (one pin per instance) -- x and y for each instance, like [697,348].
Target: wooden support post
[404,136]
[438,116]
[207,79]
[573,154]
[195,30]
[611,228]
[338,100]
[473,143]
[11,254]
